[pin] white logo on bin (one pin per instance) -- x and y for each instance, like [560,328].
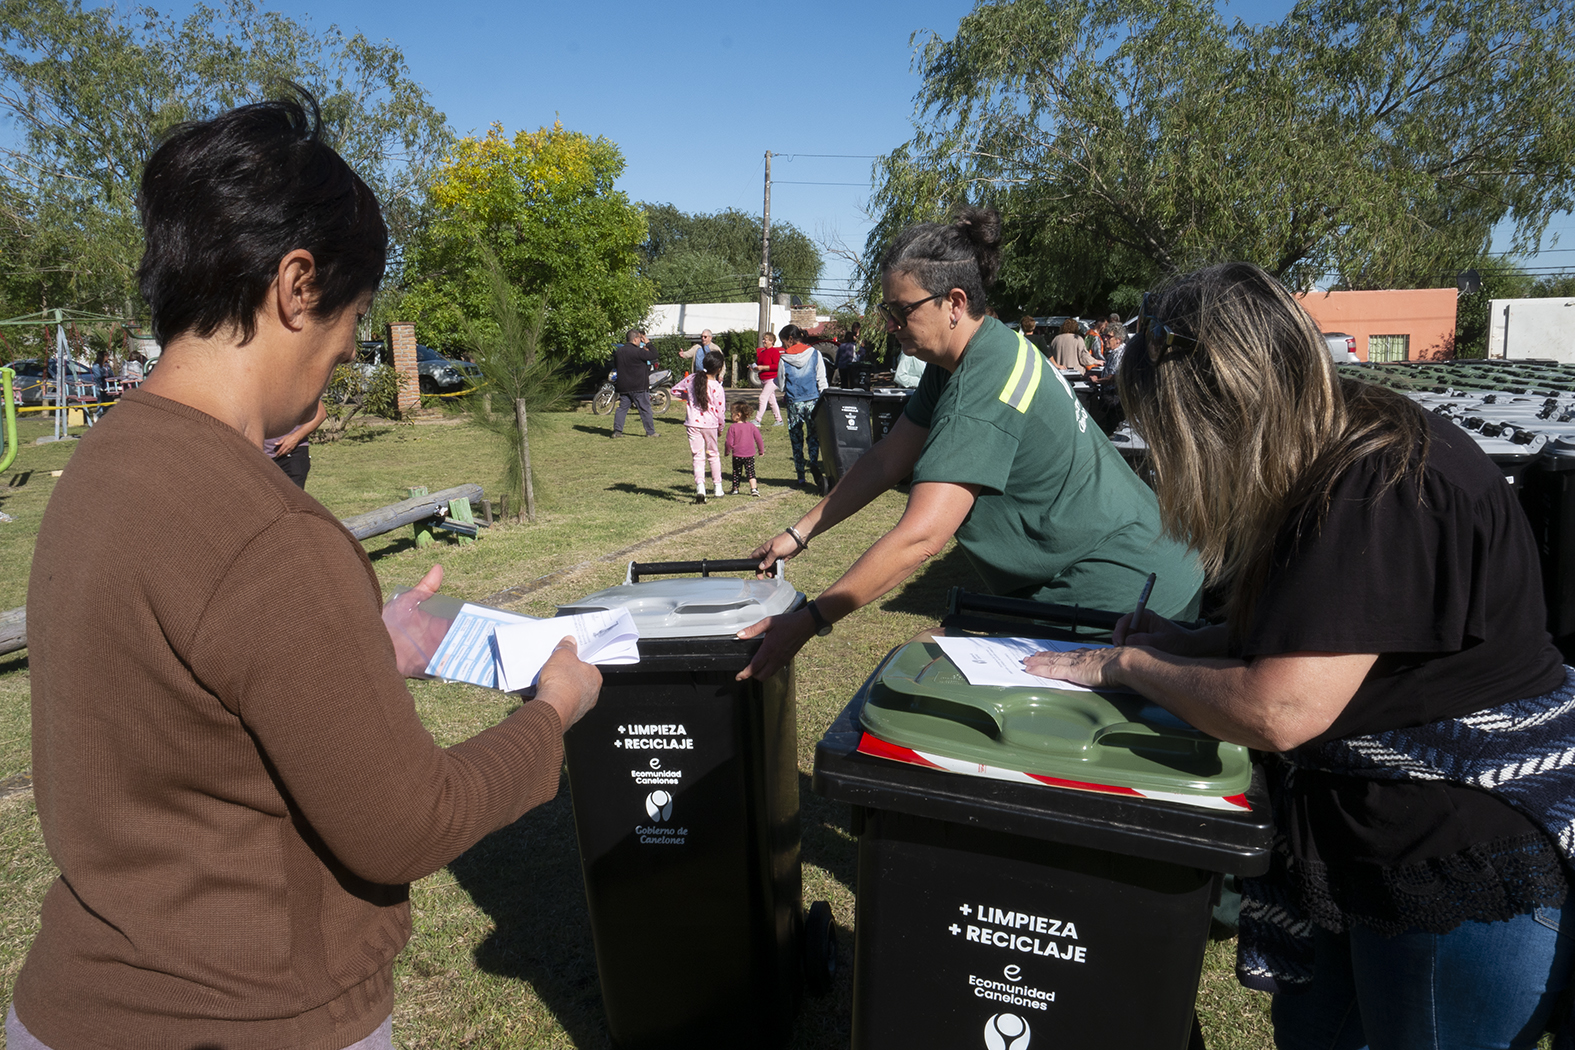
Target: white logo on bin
[659,805]
[1006,1032]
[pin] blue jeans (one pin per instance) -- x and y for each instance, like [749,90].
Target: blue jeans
[801,419]
[1482,986]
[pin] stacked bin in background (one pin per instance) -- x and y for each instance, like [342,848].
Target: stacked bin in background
[1522,414]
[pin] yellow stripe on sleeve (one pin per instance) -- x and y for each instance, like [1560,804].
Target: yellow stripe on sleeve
[1023,383]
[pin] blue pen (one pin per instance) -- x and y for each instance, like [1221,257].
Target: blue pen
[1137,614]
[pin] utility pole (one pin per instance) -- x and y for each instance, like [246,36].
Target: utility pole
[765,261]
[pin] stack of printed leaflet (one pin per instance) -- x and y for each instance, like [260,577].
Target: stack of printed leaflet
[504,650]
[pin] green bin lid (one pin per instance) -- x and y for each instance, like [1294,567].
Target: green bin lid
[1107,741]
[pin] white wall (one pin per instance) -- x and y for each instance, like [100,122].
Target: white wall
[690,318]
[1521,328]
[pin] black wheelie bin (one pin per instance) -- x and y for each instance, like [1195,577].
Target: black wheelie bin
[685,792]
[1037,865]
[842,425]
[887,404]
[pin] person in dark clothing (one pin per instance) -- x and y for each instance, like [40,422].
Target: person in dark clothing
[633,360]
[1385,648]
[292,452]
[848,355]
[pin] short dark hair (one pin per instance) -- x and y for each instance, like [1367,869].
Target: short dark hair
[964,253]
[628,336]
[790,334]
[223,200]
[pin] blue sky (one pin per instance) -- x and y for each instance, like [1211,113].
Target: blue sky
[694,91]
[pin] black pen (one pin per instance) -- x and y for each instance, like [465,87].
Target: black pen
[1137,614]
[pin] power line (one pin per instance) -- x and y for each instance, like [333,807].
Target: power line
[845,156]
[791,182]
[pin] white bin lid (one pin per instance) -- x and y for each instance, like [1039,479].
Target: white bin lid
[690,606]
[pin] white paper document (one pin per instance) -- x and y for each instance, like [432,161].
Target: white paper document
[504,650]
[603,637]
[466,653]
[999,661]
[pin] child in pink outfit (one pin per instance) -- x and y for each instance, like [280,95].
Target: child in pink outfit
[707,401]
[744,444]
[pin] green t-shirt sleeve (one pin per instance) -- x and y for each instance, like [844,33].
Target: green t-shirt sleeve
[967,451]
[921,406]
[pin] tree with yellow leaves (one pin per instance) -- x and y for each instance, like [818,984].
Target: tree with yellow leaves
[543,203]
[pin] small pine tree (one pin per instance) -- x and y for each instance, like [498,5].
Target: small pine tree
[507,347]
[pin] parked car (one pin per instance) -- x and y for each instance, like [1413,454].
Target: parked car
[441,374]
[1342,347]
[33,384]
[436,374]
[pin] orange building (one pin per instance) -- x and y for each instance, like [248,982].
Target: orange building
[1413,324]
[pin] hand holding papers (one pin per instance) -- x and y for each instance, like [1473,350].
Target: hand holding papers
[504,650]
[604,637]
[999,661]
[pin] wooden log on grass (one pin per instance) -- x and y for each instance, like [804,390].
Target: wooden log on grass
[13,622]
[407,512]
[13,630]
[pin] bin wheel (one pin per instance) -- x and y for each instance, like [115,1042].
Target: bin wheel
[820,949]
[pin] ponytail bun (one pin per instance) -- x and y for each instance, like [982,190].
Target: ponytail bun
[982,227]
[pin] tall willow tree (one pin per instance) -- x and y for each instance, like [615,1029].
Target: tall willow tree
[1378,140]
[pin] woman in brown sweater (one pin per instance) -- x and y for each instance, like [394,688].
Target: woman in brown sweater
[235,786]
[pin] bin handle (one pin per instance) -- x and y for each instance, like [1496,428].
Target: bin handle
[705,567]
[960,601]
[1153,738]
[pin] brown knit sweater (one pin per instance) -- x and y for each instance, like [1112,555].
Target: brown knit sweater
[229,770]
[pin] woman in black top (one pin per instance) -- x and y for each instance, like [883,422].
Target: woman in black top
[1385,639]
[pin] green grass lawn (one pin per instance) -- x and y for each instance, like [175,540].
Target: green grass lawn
[502,955]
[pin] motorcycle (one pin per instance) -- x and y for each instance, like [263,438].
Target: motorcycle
[661,393]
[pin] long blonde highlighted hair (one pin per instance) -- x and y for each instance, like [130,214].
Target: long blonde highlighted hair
[1232,386]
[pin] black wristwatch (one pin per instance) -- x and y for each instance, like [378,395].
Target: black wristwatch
[822,625]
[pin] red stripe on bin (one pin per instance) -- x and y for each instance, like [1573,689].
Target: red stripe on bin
[1081,786]
[874,745]
[1238,800]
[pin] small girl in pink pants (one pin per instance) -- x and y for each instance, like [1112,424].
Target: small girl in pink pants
[707,401]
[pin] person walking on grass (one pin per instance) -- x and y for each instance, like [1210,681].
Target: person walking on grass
[803,374]
[766,357]
[703,393]
[744,444]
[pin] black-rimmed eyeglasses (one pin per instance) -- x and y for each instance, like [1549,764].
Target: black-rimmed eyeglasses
[897,313]
[1160,339]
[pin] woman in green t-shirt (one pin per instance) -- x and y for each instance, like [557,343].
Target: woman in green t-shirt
[1003,457]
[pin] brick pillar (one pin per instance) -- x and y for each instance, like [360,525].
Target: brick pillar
[401,339]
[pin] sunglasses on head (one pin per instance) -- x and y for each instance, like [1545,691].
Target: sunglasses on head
[1162,341]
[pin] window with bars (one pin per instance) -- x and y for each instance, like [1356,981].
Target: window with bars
[1388,348]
